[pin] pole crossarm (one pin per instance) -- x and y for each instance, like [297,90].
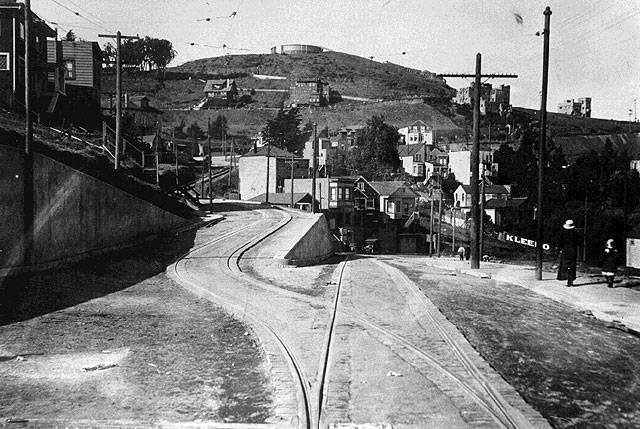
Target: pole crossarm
[490,75]
[113,36]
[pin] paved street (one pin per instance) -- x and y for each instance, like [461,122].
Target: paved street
[393,358]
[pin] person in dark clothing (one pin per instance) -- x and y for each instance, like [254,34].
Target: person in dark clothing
[609,262]
[568,252]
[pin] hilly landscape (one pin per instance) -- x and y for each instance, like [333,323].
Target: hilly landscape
[350,75]
[400,94]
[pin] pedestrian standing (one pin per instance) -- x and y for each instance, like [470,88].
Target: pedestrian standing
[461,252]
[609,262]
[568,252]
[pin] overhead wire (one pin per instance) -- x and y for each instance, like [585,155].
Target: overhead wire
[76,13]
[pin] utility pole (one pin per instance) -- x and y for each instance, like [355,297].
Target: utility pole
[482,202]
[119,38]
[209,163]
[439,221]
[475,154]
[158,137]
[314,167]
[543,137]
[453,228]
[175,150]
[266,200]
[292,181]
[28,204]
[431,226]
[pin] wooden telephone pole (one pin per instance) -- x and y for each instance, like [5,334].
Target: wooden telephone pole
[28,205]
[475,154]
[118,36]
[543,137]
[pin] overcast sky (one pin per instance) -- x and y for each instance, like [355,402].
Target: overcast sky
[595,44]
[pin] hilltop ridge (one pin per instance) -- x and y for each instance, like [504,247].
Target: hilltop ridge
[348,74]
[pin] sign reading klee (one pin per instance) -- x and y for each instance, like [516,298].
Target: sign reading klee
[524,241]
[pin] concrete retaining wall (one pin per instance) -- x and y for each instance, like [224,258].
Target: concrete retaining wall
[75,214]
[308,241]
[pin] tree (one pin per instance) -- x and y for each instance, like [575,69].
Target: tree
[377,152]
[70,36]
[218,127]
[283,131]
[132,53]
[158,53]
[109,54]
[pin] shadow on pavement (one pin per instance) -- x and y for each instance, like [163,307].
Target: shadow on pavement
[30,295]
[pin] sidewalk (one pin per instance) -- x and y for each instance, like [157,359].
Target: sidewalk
[619,306]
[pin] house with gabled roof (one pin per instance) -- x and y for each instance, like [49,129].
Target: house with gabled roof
[221,89]
[414,158]
[396,199]
[462,195]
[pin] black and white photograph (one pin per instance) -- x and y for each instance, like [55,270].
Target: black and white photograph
[329,214]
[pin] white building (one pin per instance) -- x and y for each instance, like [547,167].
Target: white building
[416,133]
[460,164]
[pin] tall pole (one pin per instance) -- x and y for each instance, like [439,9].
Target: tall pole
[118,99]
[439,221]
[314,167]
[475,163]
[292,181]
[453,228]
[175,150]
[28,204]
[541,148]
[266,200]
[157,145]
[209,163]
[482,202]
[431,227]
[584,230]
[119,38]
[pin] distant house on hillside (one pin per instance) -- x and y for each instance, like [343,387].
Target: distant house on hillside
[416,133]
[144,115]
[580,107]
[310,92]
[221,89]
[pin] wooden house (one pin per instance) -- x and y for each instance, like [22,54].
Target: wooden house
[12,62]
[82,67]
[221,90]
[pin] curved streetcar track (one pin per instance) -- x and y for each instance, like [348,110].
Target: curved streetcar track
[311,405]
[232,263]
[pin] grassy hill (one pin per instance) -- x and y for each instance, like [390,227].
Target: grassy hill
[350,75]
[403,89]
[566,125]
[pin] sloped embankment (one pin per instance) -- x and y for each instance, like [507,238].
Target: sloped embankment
[81,206]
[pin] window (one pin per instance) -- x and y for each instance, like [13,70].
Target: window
[361,185]
[334,194]
[4,61]
[70,69]
[341,193]
[347,194]
[22,30]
